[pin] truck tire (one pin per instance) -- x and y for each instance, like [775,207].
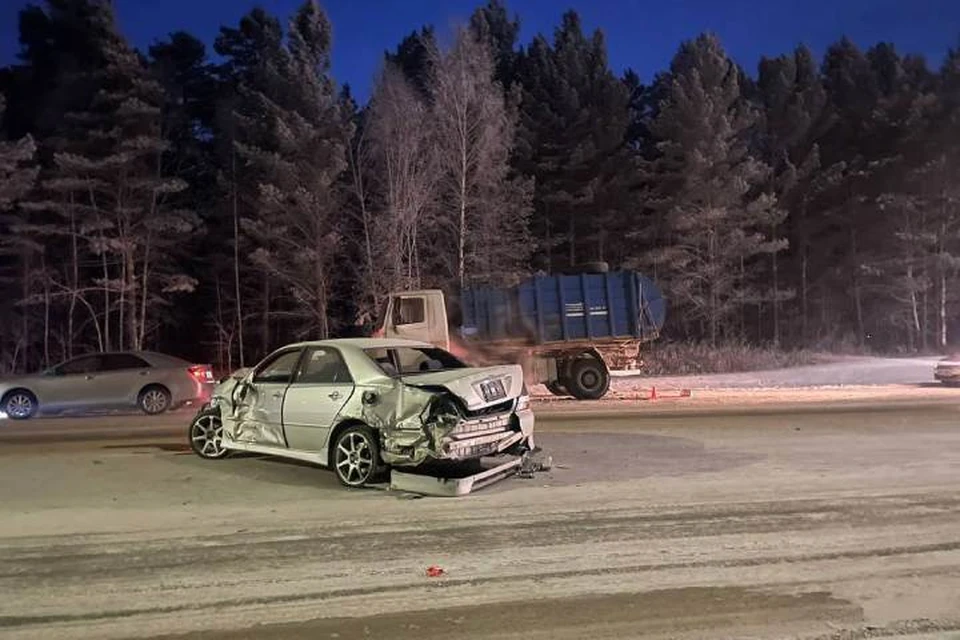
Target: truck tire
[556,388]
[589,378]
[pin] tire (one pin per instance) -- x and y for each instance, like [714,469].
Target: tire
[355,456]
[154,400]
[206,435]
[556,388]
[20,404]
[589,379]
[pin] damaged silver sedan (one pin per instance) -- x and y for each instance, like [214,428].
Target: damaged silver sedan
[361,406]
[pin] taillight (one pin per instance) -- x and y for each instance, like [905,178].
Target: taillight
[201,373]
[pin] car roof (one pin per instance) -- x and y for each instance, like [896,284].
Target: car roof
[364,343]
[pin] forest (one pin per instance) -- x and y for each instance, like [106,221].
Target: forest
[215,202]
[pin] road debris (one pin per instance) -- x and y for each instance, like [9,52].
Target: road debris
[435,571]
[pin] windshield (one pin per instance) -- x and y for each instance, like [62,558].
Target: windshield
[413,360]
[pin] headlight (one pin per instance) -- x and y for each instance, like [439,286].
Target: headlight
[523,403]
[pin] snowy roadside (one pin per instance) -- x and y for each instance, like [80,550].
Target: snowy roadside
[847,380]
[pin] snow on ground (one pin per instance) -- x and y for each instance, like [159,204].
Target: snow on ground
[861,371]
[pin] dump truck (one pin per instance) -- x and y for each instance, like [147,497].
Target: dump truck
[568,331]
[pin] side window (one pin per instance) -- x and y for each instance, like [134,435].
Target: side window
[324,366]
[409,311]
[83,364]
[121,361]
[279,369]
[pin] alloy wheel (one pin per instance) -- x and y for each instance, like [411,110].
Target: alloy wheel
[206,437]
[19,406]
[354,458]
[154,401]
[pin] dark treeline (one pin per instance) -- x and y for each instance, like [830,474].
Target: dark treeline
[217,206]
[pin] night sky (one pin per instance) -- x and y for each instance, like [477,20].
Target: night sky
[642,34]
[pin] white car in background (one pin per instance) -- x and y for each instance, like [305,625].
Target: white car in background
[947,370]
[363,405]
[152,382]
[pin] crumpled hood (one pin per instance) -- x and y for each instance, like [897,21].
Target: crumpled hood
[474,385]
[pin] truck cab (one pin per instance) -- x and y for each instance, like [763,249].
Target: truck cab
[417,315]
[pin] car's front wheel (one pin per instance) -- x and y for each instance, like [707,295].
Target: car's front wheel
[356,456]
[206,435]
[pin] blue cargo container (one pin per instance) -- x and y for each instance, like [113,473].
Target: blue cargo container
[592,307]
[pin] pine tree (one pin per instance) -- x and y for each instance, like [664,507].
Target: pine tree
[111,189]
[794,103]
[413,59]
[298,229]
[492,24]
[719,212]
[248,75]
[18,171]
[573,123]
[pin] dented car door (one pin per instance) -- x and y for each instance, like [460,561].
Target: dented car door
[260,413]
[320,389]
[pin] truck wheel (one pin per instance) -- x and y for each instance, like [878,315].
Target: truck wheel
[557,389]
[589,379]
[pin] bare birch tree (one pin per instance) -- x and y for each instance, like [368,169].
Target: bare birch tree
[484,207]
[402,143]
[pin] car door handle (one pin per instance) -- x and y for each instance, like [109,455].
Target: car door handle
[334,395]
[143,373]
[88,377]
[278,394]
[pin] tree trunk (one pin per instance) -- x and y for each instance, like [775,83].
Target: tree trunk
[144,289]
[943,309]
[236,252]
[857,292]
[914,310]
[265,318]
[46,311]
[804,299]
[25,315]
[942,338]
[776,301]
[130,284]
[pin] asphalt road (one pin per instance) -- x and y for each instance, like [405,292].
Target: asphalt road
[788,524]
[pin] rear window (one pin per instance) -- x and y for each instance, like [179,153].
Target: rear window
[413,360]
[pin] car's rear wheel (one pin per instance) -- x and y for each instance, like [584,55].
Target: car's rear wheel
[206,435]
[20,404]
[356,456]
[154,400]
